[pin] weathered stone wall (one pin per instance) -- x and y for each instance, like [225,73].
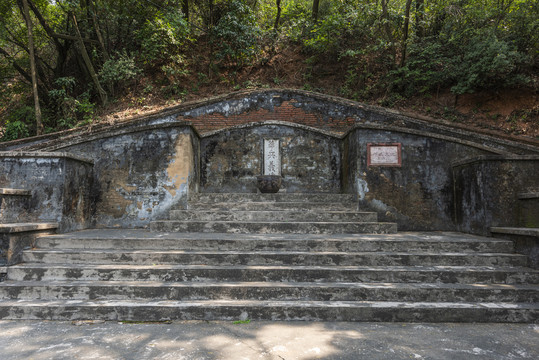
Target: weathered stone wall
[147,166]
[418,195]
[59,184]
[487,188]
[231,159]
[140,173]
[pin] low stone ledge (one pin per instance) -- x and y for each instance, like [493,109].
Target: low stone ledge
[528,195]
[533,232]
[14,192]
[16,237]
[24,227]
[39,154]
[483,158]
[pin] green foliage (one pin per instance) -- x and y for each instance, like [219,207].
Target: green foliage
[425,70]
[70,111]
[235,34]
[16,125]
[487,63]
[464,46]
[163,36]
[14,130]
[483,62]
[118,70]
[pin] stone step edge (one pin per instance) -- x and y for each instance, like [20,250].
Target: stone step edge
[276,212]
[150,235]
[269,284]
[246,223]
[344,204]
[270,310]
[510,269]
[67,251]
[270,303]
[270,196]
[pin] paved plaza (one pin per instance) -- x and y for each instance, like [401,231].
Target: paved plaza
[40,340]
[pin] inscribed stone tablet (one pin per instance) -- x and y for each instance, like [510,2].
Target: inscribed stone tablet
[272,157]
[384,154]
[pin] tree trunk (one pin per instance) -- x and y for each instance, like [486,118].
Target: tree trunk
[316,4]
[278,17]
[88,62]
[419,17]
[405,31]
[39,125]
[385,18]
[93,10]
[185,9]
[211,12]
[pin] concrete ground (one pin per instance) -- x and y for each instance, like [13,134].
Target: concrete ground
[265,340]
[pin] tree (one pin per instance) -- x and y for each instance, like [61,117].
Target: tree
[278,16]
[26,14]
[405,31]
[316,4]
[185,9]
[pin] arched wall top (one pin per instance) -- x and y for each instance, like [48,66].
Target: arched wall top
[272,122]
[329,115]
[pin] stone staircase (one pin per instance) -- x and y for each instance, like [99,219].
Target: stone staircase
[273,214]
[222,269]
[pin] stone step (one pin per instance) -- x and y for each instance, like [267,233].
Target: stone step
[189,257]
[273,227]
[117,310]
[274,206]
[187,291]
[277,197]
[400,242]
[283,215]
[201,273]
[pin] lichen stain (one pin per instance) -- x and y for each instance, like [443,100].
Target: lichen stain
[181,164]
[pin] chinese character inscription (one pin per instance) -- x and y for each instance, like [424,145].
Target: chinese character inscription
[272,158]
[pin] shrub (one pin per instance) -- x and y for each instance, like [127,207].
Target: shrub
[163,36]
[235,34]
[118,70]
[70,110]
[16,125]
[487,63]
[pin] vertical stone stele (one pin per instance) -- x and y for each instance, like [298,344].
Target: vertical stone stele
[272,157]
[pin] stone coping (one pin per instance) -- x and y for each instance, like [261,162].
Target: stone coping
[15,192]
[159,117]
[40,154]
[115,130]
[433,135]
[533,232]
[483,158]
[528,195]
[24,227]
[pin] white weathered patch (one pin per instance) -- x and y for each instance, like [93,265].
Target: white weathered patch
[362,188]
